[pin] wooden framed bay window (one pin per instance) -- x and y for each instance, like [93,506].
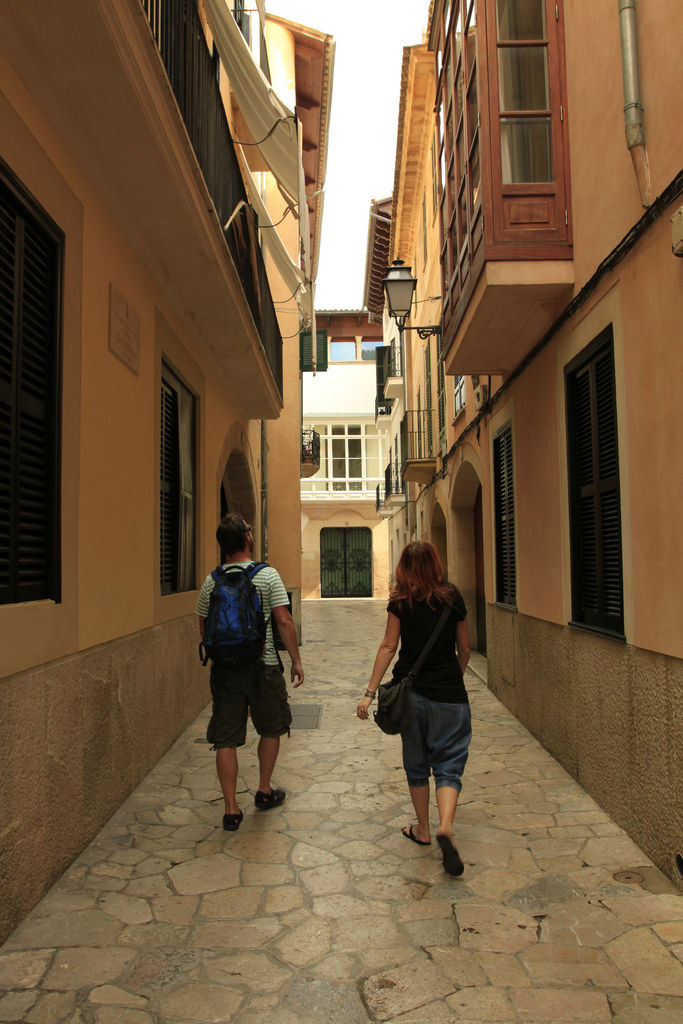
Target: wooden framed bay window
[503,144]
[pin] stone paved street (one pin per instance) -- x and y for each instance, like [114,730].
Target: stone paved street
[320,911]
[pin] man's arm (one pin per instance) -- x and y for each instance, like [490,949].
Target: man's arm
[287,629]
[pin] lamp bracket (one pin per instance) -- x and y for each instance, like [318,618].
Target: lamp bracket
[425,332]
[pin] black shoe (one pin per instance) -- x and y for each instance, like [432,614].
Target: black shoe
[231,822]
[264,801]
[451,858]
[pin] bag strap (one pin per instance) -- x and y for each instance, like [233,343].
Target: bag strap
[445,615]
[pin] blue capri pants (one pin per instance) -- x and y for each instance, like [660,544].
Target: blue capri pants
[436,739]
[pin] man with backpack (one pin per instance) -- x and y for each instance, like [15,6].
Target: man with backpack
[234,608]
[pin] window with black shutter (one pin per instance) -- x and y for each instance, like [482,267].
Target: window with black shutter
[31,249]
[504,499]
[594,491]
[177,485]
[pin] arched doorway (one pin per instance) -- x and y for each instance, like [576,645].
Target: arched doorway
[438,536]
[236,490]
[466,503]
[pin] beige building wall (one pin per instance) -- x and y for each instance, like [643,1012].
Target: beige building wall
[95,688]
[606,708]
[343,394]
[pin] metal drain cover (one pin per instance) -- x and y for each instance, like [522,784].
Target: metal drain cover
[629,877]
[306,716]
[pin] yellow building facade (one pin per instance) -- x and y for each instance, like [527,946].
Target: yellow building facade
[145,366]
[543,220]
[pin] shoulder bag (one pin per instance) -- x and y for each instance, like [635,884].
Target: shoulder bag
[393,698]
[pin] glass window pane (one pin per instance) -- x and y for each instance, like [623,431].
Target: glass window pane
[367,349]
[472,109]
[342,351]
[355,448]
[458,95]
[462,216]
[461,155]
[475,175]
[523,78]
[526,150]
[354,430]
[521,19]
[338,430]
[471,41]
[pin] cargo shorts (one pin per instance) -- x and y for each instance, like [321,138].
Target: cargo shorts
[258,690]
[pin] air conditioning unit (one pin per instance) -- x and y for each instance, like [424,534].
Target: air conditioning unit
[481,395]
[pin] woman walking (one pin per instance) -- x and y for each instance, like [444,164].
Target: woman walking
[437,736]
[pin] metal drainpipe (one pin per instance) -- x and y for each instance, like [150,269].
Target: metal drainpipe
[264,493]
[633,108]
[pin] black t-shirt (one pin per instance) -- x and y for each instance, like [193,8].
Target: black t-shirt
[440,678]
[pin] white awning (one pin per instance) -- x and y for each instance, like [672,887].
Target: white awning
[293,277]
[259,104]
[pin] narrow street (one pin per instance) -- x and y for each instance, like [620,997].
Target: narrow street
[322,912]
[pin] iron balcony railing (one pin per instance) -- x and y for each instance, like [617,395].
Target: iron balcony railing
[383,406]
[379,500]
[310,447]
[417,435]
[393,481]
[193,73]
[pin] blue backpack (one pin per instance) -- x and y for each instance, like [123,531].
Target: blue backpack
[235,628]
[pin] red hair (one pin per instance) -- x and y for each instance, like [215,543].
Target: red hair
[419,576]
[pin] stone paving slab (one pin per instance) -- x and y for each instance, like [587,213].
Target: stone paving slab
[322,912]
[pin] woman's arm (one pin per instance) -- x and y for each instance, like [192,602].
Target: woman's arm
[462,641]
[386,651]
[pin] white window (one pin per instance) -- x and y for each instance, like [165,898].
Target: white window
[351,460]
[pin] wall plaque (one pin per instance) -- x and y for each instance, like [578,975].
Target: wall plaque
[124,330]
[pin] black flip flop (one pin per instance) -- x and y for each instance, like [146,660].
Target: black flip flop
[410,835]
[231,822]
[451,858]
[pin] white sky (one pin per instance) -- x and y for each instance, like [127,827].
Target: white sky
[370,36]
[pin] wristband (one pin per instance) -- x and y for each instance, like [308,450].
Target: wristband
[370,693]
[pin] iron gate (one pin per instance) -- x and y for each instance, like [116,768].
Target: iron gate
[346,561]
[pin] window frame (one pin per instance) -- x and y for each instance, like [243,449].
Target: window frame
[44,408]
[172,381]
[604,445]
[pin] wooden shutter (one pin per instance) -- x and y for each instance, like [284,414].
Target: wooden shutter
[170,489]
[504,497]
[597,574]
[306,351]
[30,254]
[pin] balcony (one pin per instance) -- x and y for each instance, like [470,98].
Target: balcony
[417,446]
[389,379]
[193,74]
[130,90]
[310,453]
[510,308]
[393,385]
[394,485]
[383,407]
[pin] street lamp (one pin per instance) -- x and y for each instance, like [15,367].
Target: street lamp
[399,286]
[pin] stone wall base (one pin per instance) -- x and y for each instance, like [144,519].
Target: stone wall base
[610,713]
[77,735]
